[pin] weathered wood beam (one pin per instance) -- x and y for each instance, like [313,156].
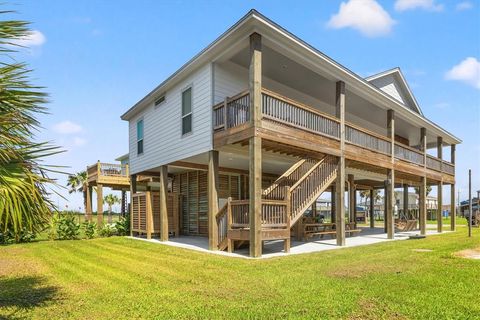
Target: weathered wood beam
[453,213]
[163,203]
[391,177]
[99,205]
[133,190]
[340,182]
[422,202]
[332,204]
[88,209]
[213,182]
[149,213]
[372,209]
[351,198]
[405,200]
[440,187]
[255,146]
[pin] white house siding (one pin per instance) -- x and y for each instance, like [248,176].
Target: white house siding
[231,79]
[163,141]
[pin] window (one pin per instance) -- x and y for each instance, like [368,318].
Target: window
[160,100]
[140,136]
[187,111]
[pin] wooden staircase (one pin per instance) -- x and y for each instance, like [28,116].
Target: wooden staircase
[283,203]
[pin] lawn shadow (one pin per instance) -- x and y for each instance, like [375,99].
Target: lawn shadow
[22,293]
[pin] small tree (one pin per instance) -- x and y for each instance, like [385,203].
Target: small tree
[77,183]
[110,200]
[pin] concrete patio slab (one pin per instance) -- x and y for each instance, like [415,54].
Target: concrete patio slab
[275,248]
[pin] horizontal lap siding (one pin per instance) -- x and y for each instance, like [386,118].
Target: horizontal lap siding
[163,141]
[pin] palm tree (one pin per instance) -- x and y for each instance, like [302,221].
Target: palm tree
[24,198]
[110,200]
[77,183]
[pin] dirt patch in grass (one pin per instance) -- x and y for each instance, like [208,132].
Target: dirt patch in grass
[361,270]
[469,254]
[422,250]
[374,309]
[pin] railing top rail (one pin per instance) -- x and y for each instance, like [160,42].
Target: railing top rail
[222,210]
[448,163]
[239,202]
[433,158]
[299,104]
[305,176]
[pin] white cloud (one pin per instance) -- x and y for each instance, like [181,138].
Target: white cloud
[431,5]
[34,39]
[77,141]
[442,105]
[465,5]
[366,16]
[467,71]
[67,127]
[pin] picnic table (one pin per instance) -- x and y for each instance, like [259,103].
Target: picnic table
[321,229]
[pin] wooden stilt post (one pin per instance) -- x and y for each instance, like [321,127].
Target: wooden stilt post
[351,198]
[149,213]
[163,203]
[88,209]
[422,202]
[405,201]
[453,213]
[255,146]
[385,203]
[340,181]
[123,205]
[391,176]
[332,204]
[440,187]
[213,180]
[422,194]
[133,190]
[372,209]
[99,205]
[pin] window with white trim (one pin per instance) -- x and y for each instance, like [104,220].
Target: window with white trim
[140,136]
[187,111]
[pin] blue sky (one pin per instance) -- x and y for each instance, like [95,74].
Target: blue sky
[97,58]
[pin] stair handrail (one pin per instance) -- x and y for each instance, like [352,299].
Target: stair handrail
[276,183]
[305,176]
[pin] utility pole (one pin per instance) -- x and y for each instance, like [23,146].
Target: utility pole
[470,202]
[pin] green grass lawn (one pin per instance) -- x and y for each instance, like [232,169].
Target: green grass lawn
[120,278]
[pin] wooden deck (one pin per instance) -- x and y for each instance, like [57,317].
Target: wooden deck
[293,126]
[111,175]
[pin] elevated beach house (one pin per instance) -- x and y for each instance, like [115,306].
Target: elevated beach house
[243,139]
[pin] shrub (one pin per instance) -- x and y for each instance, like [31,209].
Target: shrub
[123,226]
[108,230]
[67,227]
[89,229]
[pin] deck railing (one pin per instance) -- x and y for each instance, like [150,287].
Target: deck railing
[448,168]
[408,154]
[434,163]
[274,213]
[291,113]
[222,222]
[232,112]
[369,140]
[235,111]
[107,170]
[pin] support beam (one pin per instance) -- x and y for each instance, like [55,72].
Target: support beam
[255,146]
[390,187]
[332,204]
[405,201]
[149,213]
[163,203]
[99,205]
[123,209]
[453,213]
[88,208]
[422,202]
[440,187]
[372,208]
[340,181]
[213,180]
[133,190]
[351,198]
[385,203]
[439,207]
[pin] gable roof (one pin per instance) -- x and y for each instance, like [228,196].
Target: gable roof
[254,21]
[393,83]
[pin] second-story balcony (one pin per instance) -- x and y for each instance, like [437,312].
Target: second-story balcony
[108,174]
[234,114]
